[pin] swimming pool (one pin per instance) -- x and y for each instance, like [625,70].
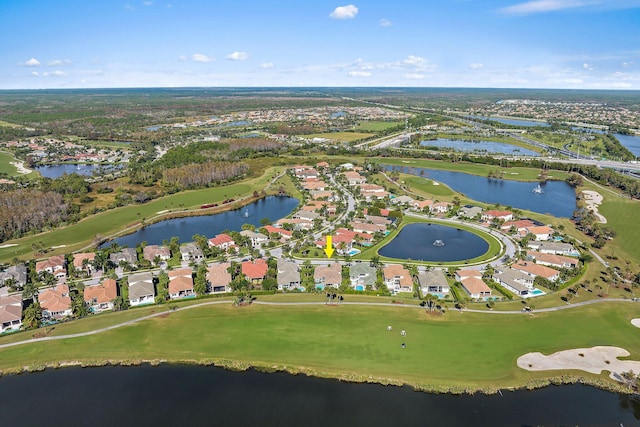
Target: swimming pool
[353,251]
[359,288]
[537,292]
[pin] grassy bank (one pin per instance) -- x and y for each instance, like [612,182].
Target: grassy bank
[456,351]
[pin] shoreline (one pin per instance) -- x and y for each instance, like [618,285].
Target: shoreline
[240,366]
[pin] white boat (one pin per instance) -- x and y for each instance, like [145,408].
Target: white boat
[538,189]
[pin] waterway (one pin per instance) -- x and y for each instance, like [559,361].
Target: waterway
[513,122]
[479,146]
[558,199]
[207,396]
[416,242]
[272,208]
[631,142]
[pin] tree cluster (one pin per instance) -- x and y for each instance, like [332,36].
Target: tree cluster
[23,211]
[195,175]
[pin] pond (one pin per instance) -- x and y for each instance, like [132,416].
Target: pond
[513,122]
[86,169]
[434,243]
[272,208]
[479,146]
[631,142]
[557,199]
[207,396]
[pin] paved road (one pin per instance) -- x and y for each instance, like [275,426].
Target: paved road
[372,304]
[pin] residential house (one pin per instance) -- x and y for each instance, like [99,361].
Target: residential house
[402,200]
[322,165]
[55,302]
[100,297]
[535,270]
[296,223]
[191,252]
[433,282]
[10,313]
[79,263]
[556,248]
[255,270]
[257,239]
[362,227]
[141,289]
[552,260]
[17,273]
[288,275]
[317,205]
[222,241]
[361,275]
[378,220]
[518,225]
[219,278]
[326,195]
[328,275]
[541,232]
[181,283]
[372,191]
[306,215]
[514,281]
[422,204]
[127,255]
[314,185]
[469,211]
[397,278]
[440,207]
[495,214]
[54,265]
[354,178]
[342,243]
[284,234]
[150,253]
[473,284]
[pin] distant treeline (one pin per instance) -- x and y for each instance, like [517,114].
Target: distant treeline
[196,175]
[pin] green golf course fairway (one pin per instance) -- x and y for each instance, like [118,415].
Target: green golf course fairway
[455,351]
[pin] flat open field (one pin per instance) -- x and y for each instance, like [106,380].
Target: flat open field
[5,167]
[341,136]
[375,126]
[7,124]
[459,351]
[622,215]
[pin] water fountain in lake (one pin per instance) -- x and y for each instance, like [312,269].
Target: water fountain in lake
[438,243]
[246,213]
[538,189]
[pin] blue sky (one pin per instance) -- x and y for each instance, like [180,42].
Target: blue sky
[576,44]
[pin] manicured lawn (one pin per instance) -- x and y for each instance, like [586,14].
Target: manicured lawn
[426,187]
[375,126]
[515,173]
[622,216]
[341,136]
[5,167]
[456,350]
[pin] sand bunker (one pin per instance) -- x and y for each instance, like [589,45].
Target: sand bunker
[635,322]
[593,199]
[20,167]
[593,360]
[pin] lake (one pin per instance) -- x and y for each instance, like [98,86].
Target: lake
[479,146]
[86,169]
[513,122]
[631,142]
[558,199]
[272,207]
[208,396]
[416,242]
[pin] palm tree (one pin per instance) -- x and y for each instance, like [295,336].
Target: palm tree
[33,316]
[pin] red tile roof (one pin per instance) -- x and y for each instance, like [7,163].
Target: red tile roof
[256,269]
[103,293]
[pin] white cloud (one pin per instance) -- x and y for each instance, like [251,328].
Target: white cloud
[35,73]
[56,73]
[33,62]
[147,3]
[476,66]
[266,65]
[238,56]
[59,62]
[627,64]
[541,6]
[414,76]
[359,74]
[385,23]
[344,12]
[198,57]
[587,67]
[414,61]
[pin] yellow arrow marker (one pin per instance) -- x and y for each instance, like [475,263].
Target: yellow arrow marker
[329,249]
